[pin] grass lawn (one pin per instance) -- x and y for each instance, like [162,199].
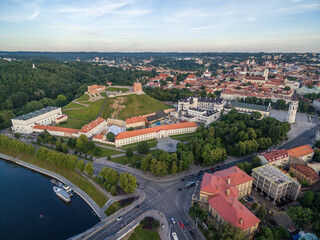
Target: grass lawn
[183,137]
[84,97]
[123,160]
[72,105]
[105,152]
[71,175]
[144,234]
[135,105]
[89,113]
[105,144]
[115,206]
[73,123]
[114,89]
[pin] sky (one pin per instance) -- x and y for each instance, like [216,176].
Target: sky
[160,25]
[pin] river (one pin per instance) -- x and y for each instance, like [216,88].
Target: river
[29,209]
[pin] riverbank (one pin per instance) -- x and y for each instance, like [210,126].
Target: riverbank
[21,160]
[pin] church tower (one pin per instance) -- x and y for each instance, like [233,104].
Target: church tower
[266,74]
[292,112]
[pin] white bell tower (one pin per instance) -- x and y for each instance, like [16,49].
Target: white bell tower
[292,112]
[266,74]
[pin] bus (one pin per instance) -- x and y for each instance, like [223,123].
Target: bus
[174,236]
[190,184]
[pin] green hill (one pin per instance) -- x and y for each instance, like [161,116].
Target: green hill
[123,107]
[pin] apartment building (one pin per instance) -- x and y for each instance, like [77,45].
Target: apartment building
[277,185]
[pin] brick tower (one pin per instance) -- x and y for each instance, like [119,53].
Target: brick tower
[137,87]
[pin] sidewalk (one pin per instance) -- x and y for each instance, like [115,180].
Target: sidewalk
[118,198]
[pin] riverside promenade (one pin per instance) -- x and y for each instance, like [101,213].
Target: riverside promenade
[76,189]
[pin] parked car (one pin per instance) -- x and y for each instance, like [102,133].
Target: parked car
[119,218]
[138,206]
[180,189]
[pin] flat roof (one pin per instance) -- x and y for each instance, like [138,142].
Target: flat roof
[35,113]
[273,174]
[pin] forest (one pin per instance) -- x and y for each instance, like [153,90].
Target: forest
[52,83]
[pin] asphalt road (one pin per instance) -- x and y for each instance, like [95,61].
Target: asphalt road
[166,197]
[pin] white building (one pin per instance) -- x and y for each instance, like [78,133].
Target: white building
[90,129]
[292,112]
[125,138]
[206,74]
[44,116]
[277,185]
[200,109]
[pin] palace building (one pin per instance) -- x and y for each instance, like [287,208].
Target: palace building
[200,109]
[125,138]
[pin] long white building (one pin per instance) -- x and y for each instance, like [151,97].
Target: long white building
[125,138]
[44,116]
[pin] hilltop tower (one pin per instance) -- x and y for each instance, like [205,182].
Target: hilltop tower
[137,87]
[266,74]
[292,112]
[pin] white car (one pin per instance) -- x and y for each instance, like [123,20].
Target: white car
[119,218]
[173,221]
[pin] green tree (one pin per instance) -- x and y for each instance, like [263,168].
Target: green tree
[81,143]
[129,153]
[261,212]
[89,168]
[145,163]
[301,216]
[111,136]
[228,232]
[64,147]
[97,151]
[127,182]
[143,147]
[113,190]
[80,165]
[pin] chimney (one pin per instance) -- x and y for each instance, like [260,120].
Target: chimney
[241,220]
[228,180]
[228,191]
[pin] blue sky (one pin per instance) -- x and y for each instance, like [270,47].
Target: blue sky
[160,25]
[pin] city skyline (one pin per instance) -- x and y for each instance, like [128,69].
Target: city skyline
[174,26]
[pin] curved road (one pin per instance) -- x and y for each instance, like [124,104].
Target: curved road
[166,198]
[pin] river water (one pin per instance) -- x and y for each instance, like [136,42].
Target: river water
[29,209]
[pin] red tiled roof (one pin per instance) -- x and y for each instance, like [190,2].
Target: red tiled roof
[275,154]
[254,77]
[135,120]
[306,170]
[134,133]
[99,136]
[223,196]
[64,115]
[56,129]
[237,175]
[300,151]
[91,125]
